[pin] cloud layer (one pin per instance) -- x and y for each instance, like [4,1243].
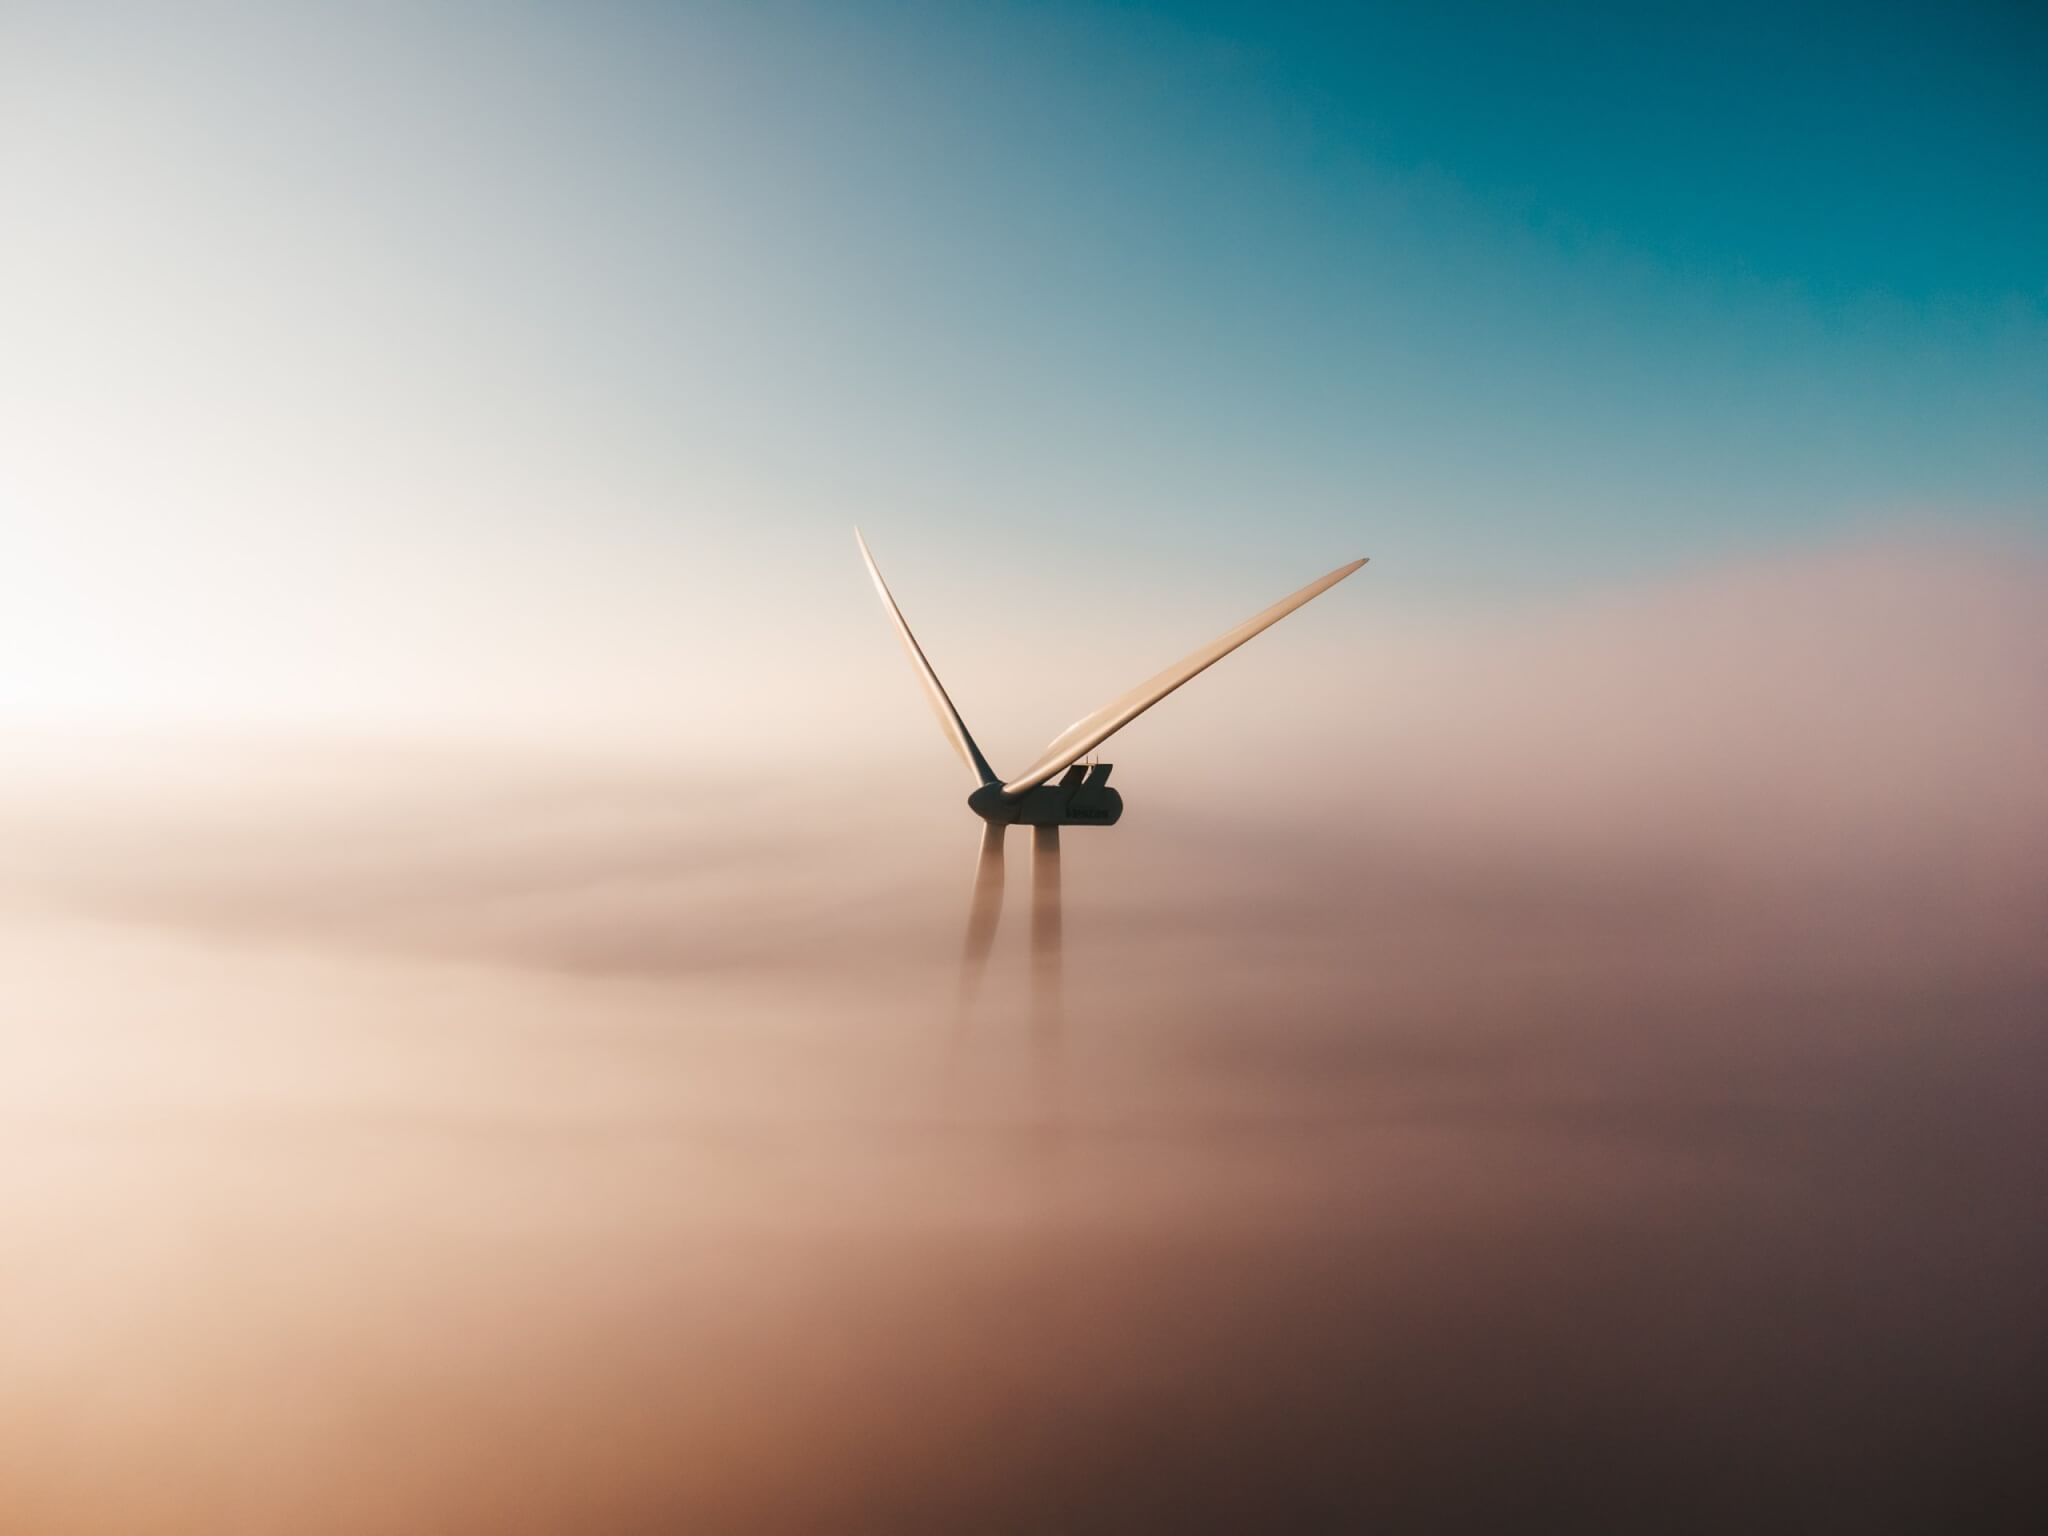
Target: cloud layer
[1581,1076]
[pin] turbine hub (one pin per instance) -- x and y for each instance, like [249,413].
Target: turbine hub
[989,804]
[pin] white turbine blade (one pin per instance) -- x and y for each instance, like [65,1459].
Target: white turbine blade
[949,717]
[984,907]
[1089,732]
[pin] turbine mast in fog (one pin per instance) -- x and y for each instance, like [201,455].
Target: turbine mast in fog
[1081,798]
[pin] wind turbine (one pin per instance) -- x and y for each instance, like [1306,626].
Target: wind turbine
[1081,798]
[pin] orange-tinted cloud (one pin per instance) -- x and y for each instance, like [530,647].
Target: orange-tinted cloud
[1593,1057]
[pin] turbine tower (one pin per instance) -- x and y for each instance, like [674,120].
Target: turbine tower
[1081,798]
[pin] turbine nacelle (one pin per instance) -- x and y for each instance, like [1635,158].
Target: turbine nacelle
[1082,798]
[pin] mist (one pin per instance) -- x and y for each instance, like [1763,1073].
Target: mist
[1575,1067]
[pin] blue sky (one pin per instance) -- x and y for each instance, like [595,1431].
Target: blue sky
[1494,291]
[659,299]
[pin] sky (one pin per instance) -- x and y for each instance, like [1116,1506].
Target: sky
[1551,1041]
[623,316]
